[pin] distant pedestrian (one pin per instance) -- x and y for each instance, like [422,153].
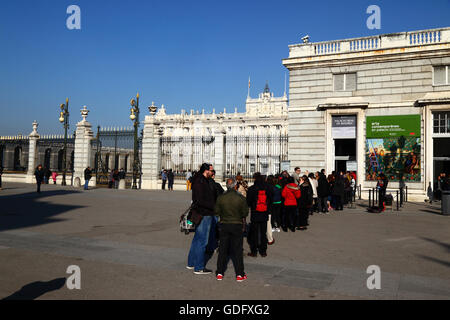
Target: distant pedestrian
[296,175]
[188,180]
[323,191]
[122,174]
[241,185]
[116,179]
[305,203]
[338,191]
[164,179]
[314,185]
[39,175]
[276,204]
[291,192]
[170,179]
[47,174]
[111,179]
[87,177]
[54,175]
[232,209]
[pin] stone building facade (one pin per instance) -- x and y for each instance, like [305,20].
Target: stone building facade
[371,105]
[255,140]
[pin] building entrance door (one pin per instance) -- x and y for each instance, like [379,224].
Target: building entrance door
[343,130]
[441,159]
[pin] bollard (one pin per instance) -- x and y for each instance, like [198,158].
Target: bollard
[370,198]
[406,195]
[397,199]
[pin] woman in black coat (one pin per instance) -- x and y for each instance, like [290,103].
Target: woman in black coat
[304,203]
[339,191]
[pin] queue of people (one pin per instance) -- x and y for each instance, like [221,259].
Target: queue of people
[273,203]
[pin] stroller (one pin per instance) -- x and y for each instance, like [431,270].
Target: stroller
[186,225]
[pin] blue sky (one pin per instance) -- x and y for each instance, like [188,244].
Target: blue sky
[183,54]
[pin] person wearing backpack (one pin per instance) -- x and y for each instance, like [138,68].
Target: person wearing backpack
[291,192]
[305,203]
[259,198]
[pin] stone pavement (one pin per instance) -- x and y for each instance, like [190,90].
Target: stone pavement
[128,245]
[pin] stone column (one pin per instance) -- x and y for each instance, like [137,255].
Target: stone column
[34,137]
[219,152]
[151,155]
[83,150]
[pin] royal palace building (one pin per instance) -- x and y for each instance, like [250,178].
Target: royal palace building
[373,105]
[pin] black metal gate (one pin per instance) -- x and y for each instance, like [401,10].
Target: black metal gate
[114,150]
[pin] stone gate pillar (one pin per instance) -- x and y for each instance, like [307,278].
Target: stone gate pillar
[219,152]
[32,151]
[83,150]
[151,151]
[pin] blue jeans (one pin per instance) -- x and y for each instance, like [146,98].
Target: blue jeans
[86,183]
[204,237]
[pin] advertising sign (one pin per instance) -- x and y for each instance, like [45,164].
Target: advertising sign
[393,126]
[343,127]
[393,147]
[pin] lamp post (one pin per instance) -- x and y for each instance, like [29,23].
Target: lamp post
[134,116]
[64,119]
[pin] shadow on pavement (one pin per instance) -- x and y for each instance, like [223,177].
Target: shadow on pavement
[445,246]
[36,289]
[25,209]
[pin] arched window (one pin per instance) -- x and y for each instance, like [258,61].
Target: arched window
[107,162]
[47,155]
[17,158]
[2,148]
[61,160]
[72,160]
[116,162]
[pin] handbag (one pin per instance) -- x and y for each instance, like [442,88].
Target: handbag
[194,216]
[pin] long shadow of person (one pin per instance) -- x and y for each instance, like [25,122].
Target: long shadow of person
[36,289]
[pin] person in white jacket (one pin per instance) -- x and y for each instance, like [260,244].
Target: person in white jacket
[314,184]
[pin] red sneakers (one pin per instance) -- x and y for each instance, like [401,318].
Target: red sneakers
[241,278]
[219,277]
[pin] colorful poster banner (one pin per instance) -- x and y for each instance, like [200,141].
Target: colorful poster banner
[393,148]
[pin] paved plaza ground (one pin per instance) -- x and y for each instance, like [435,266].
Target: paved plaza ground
[128,245]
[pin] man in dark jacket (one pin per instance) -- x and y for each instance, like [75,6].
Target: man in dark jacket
[339,191]
[203,202]
[87,177]
[231,208]
[39,174]
[259,199]
[323,189]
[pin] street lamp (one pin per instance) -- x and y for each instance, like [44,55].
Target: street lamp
[134,116]
[64,119]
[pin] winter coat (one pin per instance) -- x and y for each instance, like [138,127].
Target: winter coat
[290,194]
[306,198]
[252,198]
[338,187]
[203,196]
[39,174]
[323,187]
